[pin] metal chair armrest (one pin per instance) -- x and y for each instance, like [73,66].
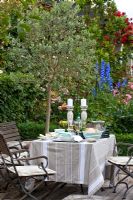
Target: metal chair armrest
[17,153]
[128,161]
[13,147]
[34,158]
[124,144]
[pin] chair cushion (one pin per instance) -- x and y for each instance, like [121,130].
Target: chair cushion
[8,159]
[30,170]
[121,160]
[25,144]
[13,143]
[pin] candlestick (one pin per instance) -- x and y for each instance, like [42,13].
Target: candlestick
[70,116]
[70,102]
[83,102]
[84,114]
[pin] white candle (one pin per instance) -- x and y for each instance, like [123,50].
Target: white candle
[70,102]
[83,102]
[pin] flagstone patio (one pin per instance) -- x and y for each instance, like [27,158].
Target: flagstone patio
[68,192]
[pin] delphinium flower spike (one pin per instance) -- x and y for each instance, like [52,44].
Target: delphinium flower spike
[118,84]
[124,83]
[108,77]
[102,75]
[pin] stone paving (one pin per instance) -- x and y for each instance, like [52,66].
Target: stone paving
[68,192]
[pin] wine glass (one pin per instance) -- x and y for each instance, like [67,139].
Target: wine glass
[77,126]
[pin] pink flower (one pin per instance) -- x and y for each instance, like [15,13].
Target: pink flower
[128,96]
[115,92]
[125,102]
[130,85]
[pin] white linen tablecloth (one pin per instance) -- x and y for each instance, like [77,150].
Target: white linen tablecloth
[81,163]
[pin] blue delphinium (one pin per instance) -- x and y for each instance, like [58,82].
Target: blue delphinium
[102,75]
[105,77]
[109,80]
[110,83]
[118,85]
[124,83]
[102,72]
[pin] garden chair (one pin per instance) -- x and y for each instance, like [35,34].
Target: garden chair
[11,135]
[3,170]
[25,172]
[123,164]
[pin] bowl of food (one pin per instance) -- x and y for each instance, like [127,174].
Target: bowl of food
[92,133]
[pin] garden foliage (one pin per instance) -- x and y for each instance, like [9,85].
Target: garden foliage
[19,96]
[58,49]
[113,31]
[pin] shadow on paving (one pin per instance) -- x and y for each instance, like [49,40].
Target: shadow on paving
[68,192]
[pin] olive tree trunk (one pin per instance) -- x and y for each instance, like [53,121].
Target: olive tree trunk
[48,109]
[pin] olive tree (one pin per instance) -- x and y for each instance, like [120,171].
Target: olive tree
[57,48]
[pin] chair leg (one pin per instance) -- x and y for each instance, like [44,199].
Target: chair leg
[82,189]
[102,189]
[125,194]
[28,193]
[63,185]
[121,182]
[112,171]
[1,173]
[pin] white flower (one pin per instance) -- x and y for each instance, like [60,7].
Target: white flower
[42,89]
[1,72]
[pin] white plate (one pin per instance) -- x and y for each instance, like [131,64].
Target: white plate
[64,140]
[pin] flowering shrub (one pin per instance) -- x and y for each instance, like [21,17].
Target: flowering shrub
[118,29]
[125,32]
[113,32]
[129,92]
[124,91]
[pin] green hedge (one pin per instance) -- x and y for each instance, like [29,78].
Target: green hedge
[124,124]
[18,97]
[31,130]
[128,138]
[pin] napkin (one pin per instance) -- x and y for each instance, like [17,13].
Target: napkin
[43,137]
[77,138]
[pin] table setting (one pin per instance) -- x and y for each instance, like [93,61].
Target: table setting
[78,153]
[60,135]
[77,129]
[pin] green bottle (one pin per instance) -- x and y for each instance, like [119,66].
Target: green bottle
[79,124]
